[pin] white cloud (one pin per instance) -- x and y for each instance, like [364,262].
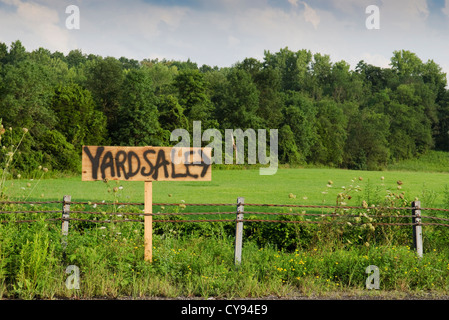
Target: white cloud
[408,15]
[375,59]
[233,41]
[446,8]
[310,15]
[226,31]
[35,25]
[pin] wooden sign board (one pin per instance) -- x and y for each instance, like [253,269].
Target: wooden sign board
[146,163]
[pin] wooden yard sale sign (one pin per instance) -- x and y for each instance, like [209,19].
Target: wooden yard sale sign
[146,164]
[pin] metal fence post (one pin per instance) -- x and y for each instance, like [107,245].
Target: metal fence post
[65,219]
[417,228]
[239,231]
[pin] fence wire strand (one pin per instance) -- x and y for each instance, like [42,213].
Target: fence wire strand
[334,215]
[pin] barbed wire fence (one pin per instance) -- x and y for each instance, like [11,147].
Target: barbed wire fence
[338,216]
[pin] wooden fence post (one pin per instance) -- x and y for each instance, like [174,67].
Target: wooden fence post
[65,216]
[239,231]
[417,228]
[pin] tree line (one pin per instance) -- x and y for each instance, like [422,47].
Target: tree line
[326,113]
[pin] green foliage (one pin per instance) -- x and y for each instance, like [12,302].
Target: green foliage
[138,123]
[329,115]
[78,119]
[331,125]
[59,154]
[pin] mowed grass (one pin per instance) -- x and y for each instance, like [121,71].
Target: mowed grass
[287,186]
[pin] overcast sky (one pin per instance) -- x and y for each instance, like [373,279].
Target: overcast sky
[223,32]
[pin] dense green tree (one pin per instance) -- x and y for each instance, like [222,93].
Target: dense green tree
[239,103]
[77,117]
[25,96]
[367,146]
[294,67]
[75,58]
[407,65]
[138,116]
[326,113]
[192,95]
[331,125]
[299,115]
[288,150]
[105,81]
[162,77]
[171,116]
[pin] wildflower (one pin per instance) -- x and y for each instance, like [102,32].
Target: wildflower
[399,187]
[292,196]
[364,204]
[18,176]
[25,130]
[382,178]
[304,198]
[45,169]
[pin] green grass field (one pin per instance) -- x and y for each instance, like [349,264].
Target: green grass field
[196,259]
[308,186]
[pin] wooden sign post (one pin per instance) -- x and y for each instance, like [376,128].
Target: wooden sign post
[146,164]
